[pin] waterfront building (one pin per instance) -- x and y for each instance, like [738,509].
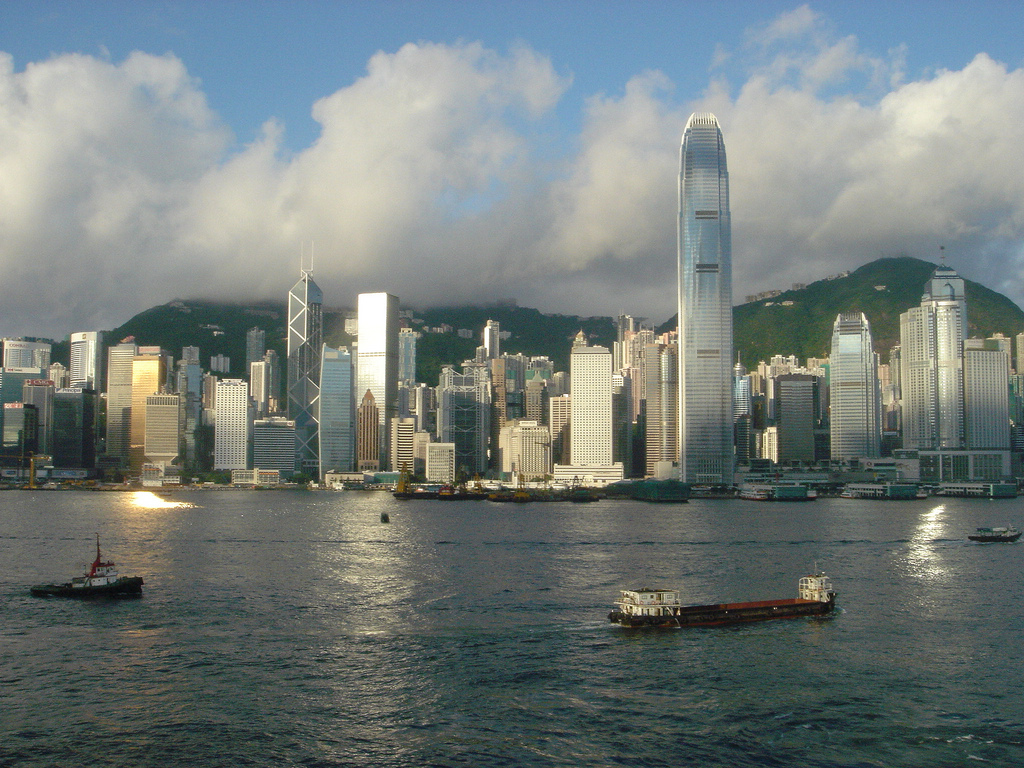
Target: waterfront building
[796,408]
[559,413]
[20,434]
[86,359]
[233,425]
[74,430]
[368,435]
[661,412]
[305,339]
[119,400]
[464,416]
[377,360]
[403,444]
[931,357]
[149,377]
[337,411]
[273,445]
[441,463]
[525,450]
[705,305]
[39,392]
[854,393]
[591,452]
[163,429]
[987,398]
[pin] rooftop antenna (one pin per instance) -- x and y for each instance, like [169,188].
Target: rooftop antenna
[942,255]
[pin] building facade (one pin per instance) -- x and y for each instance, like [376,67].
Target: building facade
[305,339]
[854,394]
[705,306]
[377,360]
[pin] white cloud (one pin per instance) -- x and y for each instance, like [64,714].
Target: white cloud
[434,178]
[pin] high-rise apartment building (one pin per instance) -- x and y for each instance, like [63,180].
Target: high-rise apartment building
[337,411]
[305,339]
[86,359]
[377,359]
[233,426]
[931,359]
[854,394]
[705,305]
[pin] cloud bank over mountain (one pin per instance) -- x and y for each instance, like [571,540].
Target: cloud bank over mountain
[444,175]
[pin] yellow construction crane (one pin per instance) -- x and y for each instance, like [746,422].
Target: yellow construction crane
[32,468]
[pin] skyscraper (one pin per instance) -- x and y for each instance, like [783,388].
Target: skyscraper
[337,411]
[305,338]
[233,427]
[590,421]
[85,359]
[149,377]
[464,416]
[705,305]
[855,411]
[492,339]
[931,356]
[119,400]
[377,359]
[255,346]
[407,356]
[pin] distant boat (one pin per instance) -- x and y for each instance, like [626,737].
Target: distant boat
[992,535]
[777,492]
[101,580]
[385,517]
[661,607]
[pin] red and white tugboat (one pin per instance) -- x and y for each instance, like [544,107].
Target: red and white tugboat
[661,607]
[101,580]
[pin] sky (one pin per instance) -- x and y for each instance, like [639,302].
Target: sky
[473,152]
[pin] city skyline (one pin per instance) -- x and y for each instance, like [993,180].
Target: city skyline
[524,166]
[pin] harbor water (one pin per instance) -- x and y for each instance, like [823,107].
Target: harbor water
[287,628]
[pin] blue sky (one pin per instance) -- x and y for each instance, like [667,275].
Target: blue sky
[451,152]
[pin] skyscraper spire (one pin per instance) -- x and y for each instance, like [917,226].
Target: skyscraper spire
[705,305]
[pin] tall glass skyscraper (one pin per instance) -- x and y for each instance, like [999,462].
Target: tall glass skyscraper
[931,356]
[705,306]
[855,398]
[305,338]
[337,411]
[377,360]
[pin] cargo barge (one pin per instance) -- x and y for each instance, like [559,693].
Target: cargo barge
[661,607]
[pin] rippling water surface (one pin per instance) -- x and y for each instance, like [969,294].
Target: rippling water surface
[290,628]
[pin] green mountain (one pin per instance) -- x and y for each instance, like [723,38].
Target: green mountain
[799,322]
[795,322]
